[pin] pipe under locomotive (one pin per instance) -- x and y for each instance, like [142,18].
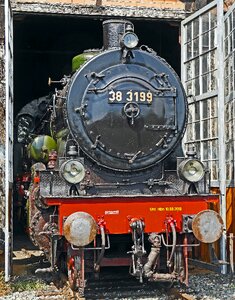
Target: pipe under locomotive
[110,184]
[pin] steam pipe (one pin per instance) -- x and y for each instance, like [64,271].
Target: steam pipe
[178,245]
[153,255]
[101,255]
[173,243]
[185,252]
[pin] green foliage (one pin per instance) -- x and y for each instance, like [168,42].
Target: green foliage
[27,285]
[19,285]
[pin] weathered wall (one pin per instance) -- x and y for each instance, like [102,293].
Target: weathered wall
[149,9]
[2,119]
[172,4]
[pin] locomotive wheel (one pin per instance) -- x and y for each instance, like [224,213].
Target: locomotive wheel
[75,272]
[179,267]
[72,273]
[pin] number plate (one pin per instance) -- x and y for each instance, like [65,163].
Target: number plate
[144,97]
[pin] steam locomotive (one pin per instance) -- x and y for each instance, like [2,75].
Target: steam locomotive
[110,185]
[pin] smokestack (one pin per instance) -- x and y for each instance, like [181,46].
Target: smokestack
[113,30]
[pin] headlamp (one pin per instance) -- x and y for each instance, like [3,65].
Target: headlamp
[72,171]
[191,170]
[130,40]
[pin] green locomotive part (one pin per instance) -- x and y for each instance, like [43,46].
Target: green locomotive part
[82,58]
[40,148]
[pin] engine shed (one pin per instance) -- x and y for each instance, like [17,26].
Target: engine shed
[40,39]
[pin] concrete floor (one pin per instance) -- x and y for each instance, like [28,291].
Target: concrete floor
[26,257]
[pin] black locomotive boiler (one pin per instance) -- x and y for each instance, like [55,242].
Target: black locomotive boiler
[110,185]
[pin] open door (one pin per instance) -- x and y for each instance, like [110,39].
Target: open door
[202,69]
[229,94]
[229,103]
[8,230]
[199,76]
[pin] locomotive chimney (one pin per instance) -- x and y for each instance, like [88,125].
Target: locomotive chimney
[113,30]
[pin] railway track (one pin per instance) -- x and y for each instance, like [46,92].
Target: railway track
[119,285]
[116,284]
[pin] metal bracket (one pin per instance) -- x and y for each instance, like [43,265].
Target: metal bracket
[162,142]
[94,248]
[162,79]
[132,157]
[138,250]
[81,109]
[98,143]
[187,223]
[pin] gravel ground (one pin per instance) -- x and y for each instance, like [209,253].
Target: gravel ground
[209,286]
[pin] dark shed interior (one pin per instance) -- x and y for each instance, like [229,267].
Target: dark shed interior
[45,45]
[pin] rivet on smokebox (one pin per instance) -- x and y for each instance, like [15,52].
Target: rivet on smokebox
[80,229]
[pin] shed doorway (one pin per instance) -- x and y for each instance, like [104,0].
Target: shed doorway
[44,47]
